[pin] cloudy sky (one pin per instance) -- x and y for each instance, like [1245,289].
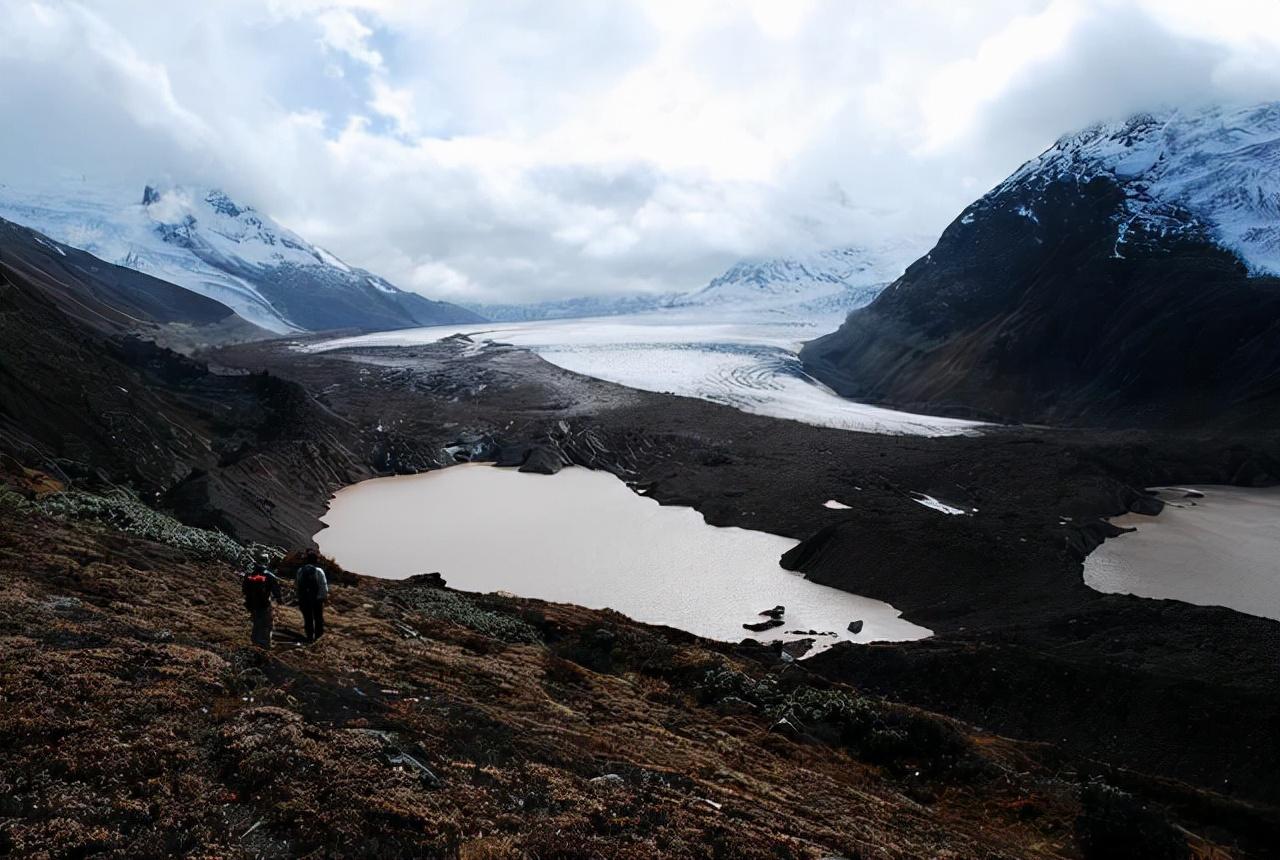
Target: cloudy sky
[518,150]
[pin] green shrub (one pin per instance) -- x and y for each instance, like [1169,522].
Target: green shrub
[459,609]
[124,512]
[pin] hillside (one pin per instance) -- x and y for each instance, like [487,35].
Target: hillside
[429,722]
[1124,277]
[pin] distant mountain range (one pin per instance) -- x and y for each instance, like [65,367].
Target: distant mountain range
[203,240]
[1126,276]
[814,285]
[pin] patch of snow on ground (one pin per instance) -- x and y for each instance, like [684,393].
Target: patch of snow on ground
[836,506]
[930,502]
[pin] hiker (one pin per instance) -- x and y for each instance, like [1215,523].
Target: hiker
[260,585]
[312,588]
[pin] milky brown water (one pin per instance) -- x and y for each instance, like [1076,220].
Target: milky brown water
[1220,550]
[584,537]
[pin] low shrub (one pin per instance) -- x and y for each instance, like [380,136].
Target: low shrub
[459,609]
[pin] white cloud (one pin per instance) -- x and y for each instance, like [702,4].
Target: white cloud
[541,149]
[342,31]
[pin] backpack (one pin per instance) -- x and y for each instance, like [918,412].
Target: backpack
[257,590]
[308,582]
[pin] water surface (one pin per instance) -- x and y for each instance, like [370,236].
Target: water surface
[584,537]
[1219,550]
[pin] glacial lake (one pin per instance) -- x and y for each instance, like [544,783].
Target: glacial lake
[585,537]
[1222,549]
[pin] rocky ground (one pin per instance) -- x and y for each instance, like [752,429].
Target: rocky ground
[1022,646]
[1174,708]
[137,721]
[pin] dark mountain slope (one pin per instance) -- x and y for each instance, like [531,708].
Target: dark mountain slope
[1074,293]
[114,300]
[83,400]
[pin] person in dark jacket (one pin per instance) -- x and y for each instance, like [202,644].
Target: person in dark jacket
[260,587]
[312,588]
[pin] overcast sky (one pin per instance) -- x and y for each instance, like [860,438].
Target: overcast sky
[524,150]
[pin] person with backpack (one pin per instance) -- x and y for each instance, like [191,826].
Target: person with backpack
[260,586]
[312,588]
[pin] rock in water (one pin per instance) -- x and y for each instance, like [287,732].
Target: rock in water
[798,648]
[855,627]
[767,624]
[542,461]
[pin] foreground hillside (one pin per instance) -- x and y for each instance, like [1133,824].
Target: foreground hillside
[138,722]
[113,643]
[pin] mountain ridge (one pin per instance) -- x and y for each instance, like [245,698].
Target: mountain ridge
[820,283]
[1120,278]
[206,242]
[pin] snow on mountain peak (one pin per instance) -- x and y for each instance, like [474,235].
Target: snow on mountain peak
[210,222]
[1213,173]
[835,280]
[204,240]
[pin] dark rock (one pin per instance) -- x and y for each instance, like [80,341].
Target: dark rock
[855,627]
[775,612]
[433,580]
[767,624]
[542,461]
[1145,504]
[797,648]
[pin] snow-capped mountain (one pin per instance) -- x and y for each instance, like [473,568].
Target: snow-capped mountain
[203,240]
[810,287]
[1125,276]
[826,282]
[1211,174]
[578,307]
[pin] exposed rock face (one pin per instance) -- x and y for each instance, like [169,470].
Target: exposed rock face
[1092,288]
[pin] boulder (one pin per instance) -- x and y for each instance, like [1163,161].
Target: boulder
[542,461]
[432,580]
[855,627]
[775,612]
[767,624]
[797,648]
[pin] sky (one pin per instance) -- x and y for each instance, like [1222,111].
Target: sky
[538,149]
